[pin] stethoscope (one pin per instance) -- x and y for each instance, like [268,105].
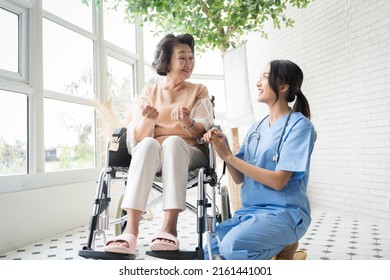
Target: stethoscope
[257,134]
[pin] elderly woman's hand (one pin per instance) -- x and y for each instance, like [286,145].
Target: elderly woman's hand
[182,114]
[219,141]
[149,112]
[209,134]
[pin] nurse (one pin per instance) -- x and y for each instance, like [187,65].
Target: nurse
[273,165]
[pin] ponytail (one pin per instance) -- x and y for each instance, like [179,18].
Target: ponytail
[301,104]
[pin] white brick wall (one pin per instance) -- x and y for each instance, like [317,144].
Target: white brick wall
[343,47]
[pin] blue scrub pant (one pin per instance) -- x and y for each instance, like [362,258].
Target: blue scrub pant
[252,235]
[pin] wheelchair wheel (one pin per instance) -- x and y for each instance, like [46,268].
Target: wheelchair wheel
[225,205]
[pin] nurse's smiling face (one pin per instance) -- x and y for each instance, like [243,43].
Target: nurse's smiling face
[265,93]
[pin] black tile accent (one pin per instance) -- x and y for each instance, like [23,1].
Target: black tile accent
[378,256]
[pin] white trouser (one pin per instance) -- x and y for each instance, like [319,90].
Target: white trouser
[173,158]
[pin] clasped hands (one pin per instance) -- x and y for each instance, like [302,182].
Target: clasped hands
[219,141]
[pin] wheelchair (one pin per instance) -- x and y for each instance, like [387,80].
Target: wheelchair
[207,212]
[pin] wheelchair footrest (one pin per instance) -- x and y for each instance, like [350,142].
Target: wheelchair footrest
[102,255]
[175,255]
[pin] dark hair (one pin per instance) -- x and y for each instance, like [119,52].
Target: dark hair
[287,72]
[164,51]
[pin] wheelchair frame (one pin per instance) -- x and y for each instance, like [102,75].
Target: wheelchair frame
[115,164]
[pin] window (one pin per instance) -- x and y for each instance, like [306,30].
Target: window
[9,47]
[72,11]
[67,61]
[150,41]
[117,30]
[13,34]
[120,78]
[204,60]
[70,140]
[13,133]
[216,88]
[212,78]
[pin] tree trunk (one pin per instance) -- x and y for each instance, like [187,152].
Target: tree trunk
[234,189]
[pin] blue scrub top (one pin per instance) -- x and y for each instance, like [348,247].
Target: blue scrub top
[294,156]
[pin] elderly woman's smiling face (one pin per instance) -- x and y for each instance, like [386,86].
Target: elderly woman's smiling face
[182,62]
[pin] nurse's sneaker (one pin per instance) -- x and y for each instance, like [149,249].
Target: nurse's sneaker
[300,255]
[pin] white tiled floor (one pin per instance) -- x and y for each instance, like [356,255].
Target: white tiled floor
[330,237]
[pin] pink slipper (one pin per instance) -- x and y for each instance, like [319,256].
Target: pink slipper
[131,241]
[159,245]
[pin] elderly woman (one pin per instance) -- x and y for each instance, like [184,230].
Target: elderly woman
[162,137]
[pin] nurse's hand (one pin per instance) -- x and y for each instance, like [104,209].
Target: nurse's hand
[219,141]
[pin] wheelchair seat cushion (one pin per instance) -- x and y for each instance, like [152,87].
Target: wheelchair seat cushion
[191,175]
